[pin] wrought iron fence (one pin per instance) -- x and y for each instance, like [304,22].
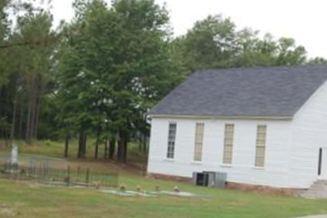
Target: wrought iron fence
[53,171]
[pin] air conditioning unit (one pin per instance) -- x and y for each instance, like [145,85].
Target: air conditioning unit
[210,179]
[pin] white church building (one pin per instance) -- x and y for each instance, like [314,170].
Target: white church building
[260,126]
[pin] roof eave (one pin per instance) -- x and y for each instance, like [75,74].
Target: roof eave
[220,117]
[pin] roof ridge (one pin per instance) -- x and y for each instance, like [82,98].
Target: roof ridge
[260,67]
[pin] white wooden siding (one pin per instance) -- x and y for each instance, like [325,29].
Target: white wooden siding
[309,133]
[292,147]
[242,170]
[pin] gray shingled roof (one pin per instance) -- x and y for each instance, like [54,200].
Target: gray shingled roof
[270,91]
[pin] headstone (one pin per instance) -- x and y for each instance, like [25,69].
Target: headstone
[14,155]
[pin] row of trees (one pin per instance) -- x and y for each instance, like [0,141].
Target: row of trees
[113,66]
[26,50]
[99,74]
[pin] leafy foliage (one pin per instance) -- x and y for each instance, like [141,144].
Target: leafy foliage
[114,65]
[215,43]
[99,74]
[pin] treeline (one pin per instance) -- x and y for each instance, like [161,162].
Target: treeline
[26,51]
[98,75]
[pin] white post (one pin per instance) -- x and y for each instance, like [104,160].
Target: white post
[14,155]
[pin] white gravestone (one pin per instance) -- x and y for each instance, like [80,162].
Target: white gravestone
[14,155]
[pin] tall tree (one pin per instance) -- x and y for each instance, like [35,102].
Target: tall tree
[4,71]
[209,44]
[26,50]
[117,65]
[142,72]
[35,63]
[215,43]
[4,31]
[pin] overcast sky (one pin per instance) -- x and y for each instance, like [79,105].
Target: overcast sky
[303,20]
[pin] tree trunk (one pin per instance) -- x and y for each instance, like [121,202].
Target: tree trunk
[21,119]
[82,145]
[79,150]
[121,152]
[30,118]
[106,145]
[66,145]
[125,151]
[122,147]
[112,144]
[13,123]
[96,150]
[33,116]
[28,122]
[34,92]
[37,118]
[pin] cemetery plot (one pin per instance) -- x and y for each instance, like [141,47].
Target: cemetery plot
[54,171]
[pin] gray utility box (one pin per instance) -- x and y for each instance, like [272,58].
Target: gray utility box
[210,179]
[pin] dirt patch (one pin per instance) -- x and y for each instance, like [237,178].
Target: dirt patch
[7,211]
[262,189]
[128,193]
[169,177]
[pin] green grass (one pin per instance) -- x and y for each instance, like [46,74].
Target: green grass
[27,199]
[55,149]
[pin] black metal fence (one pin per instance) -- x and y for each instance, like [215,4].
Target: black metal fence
[69,176]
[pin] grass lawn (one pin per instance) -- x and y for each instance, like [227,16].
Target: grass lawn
[28,199]
[56,149]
